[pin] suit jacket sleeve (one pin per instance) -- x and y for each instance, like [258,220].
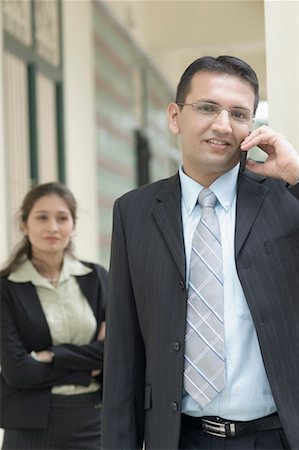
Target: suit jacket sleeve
[122,427]
[19,369]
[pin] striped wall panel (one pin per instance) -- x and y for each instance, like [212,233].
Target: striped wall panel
[129,95]
[16,139]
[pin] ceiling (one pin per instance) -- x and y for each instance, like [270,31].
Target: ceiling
[175,33]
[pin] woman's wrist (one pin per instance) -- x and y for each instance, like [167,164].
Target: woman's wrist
[45,356]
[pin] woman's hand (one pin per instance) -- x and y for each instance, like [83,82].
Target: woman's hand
[44,356]
[283,160]
[102,332]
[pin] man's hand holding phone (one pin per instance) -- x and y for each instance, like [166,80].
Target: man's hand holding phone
[282,161]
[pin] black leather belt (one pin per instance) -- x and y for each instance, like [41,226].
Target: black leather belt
[229,428]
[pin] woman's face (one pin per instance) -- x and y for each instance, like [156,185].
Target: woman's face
[49,226]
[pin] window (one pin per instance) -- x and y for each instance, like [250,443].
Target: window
[33,96]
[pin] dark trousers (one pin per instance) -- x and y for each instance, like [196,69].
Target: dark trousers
[74,424]
[194,439]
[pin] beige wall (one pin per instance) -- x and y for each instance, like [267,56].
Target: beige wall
[282,59]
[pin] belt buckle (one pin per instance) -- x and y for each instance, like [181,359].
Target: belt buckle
[218,427]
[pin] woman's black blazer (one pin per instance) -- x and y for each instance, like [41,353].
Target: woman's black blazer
[26,383]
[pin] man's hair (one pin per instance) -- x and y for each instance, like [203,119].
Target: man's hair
[221,64]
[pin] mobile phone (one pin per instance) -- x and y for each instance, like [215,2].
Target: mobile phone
[243,158]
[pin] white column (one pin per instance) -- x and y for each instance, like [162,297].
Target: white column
[282,57]
[3,208]
[79,122]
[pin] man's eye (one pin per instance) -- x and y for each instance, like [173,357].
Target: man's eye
[240,115]
[206,108]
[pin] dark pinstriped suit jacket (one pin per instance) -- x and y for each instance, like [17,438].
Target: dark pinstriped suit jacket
[144,346]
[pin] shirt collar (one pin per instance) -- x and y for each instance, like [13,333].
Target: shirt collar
[73,267]
[28,273]
[224,188]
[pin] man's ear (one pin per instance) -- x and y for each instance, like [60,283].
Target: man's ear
[173,112]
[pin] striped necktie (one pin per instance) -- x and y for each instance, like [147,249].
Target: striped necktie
[204,340]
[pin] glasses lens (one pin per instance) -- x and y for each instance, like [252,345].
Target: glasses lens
[240,115]
[208,109]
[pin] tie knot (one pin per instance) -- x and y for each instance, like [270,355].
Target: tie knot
[207,198]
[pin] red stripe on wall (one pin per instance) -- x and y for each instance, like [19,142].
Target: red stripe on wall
[108,125]
[105,201]
[161,103]
[114,167]
[104,241]
[110,89]
[119,64]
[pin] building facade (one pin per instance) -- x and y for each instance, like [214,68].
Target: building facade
[80,102]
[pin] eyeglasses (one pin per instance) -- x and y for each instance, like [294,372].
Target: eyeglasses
[213,110]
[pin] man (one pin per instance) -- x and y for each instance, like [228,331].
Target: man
[173,378]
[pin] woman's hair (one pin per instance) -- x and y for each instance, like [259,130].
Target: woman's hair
[222,64]
[23,249]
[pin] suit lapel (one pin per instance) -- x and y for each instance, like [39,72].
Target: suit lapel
[29,301]
[87,286]
[251,194]
[91,290]
[167,214]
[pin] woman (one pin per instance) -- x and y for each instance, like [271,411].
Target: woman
[52,326]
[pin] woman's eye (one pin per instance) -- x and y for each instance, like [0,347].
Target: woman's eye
[62,218]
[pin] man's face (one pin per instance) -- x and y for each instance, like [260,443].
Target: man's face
[210,145]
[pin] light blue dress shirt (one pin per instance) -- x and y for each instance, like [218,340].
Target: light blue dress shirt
[247,394]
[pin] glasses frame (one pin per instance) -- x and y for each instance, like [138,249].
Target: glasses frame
[219,109]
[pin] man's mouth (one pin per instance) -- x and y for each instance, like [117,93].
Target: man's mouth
[218,142]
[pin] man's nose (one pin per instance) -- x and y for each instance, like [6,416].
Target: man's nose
[222,122]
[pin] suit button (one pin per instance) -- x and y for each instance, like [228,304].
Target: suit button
[174,406]
[176,346]
[182,285]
